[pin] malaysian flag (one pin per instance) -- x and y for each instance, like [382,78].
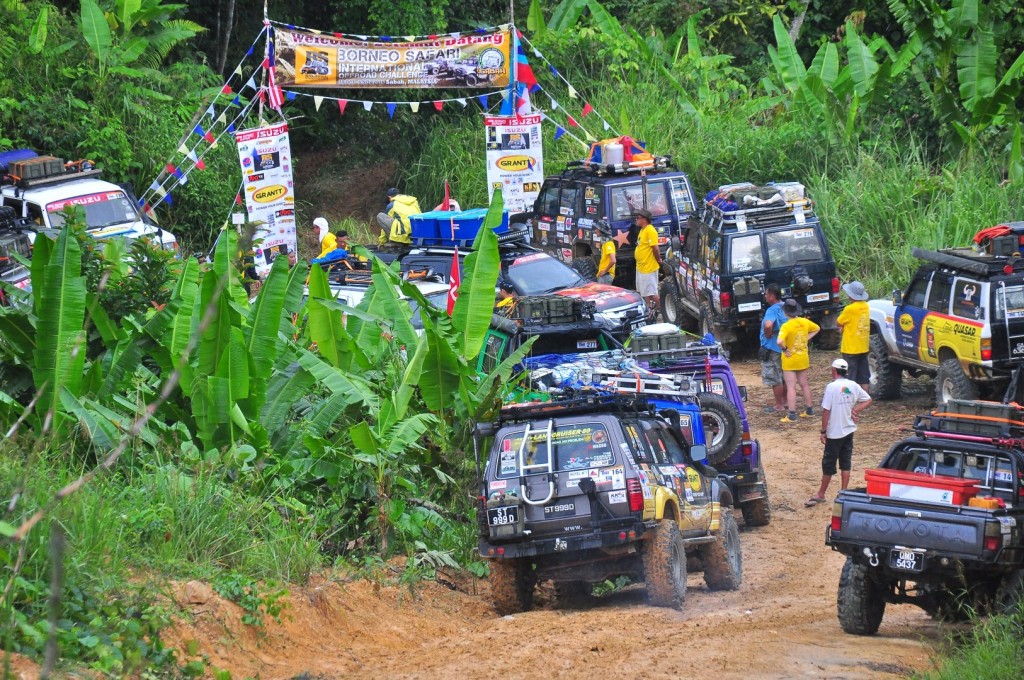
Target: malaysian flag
[274,94]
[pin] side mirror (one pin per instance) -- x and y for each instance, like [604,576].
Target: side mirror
[743,392]
[897,297]
[676,243]
[699,452]
[484,430]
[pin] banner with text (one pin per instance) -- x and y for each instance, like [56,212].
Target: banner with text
[453,60]
[515,159]
[265,156]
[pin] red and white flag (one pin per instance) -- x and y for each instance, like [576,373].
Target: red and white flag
[446,204]
[454,280]
[274,94]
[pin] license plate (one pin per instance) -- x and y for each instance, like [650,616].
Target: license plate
[500,517]
[586,344]
[560,509]
[749,307]
[818,297]
[638,323]
[906,560]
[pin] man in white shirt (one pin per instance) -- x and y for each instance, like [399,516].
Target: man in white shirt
[840,409]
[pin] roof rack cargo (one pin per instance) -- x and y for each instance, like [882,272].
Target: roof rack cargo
[989,420]
[747,206]
[572,403]
[969,260]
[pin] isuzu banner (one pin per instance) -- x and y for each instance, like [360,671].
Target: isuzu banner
[265,156]
[515,160]
[453,60]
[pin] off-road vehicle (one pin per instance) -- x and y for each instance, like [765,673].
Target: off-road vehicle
[13,243]
[735,247]
[594,488]
[609,187]
[940,524]
[961,318]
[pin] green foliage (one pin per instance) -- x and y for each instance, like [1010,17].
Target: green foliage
[989,650]
[251,596]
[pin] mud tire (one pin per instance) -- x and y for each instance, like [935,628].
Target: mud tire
[512,585]
[586,267]
[707,320]
[952,383]
[948,606]
[672,310]
[1010,594]
[723,559]
[722,426]
[861,602]
[758,513]
[886,377]
[828,340]
[664,559]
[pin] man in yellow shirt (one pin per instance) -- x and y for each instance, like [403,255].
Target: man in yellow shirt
[606,268]
[855,323]
[396,228]
[648,261]
[794,338]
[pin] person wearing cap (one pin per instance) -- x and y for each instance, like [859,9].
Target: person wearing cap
[770,354]
[794,338]
[606,267]
[855,324]
[395,227]
[506,299]
[648,261]
[328,241]
[841,406]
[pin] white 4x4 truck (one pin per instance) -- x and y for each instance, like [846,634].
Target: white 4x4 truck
[39,200]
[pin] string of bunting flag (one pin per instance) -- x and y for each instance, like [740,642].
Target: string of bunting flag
[387,38]
[561,131]
[391,106]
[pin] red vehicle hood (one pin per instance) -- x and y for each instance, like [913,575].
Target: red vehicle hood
[604,296]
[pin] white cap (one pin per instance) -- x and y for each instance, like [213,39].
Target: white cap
[840,365]
[321,223]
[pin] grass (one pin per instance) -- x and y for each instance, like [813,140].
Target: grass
[991,650]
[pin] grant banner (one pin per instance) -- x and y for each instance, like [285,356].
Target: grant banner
[265,156]
[455,60]
[515,159]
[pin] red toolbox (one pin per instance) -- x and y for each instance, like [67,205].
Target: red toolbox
[920,486]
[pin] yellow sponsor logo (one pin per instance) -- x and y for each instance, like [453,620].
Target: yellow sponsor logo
[514,163]
[906,322]
[692,479]
[269,194]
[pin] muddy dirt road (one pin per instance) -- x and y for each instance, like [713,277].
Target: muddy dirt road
[780,624]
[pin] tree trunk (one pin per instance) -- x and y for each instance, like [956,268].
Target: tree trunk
[229,24]
[794,28]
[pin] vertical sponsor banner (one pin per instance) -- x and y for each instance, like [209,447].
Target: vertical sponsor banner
[265,156]
[515,159]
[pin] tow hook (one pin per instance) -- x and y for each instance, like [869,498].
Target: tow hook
[872,557]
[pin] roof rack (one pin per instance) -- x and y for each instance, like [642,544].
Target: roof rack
[572,403]
[795,212]
[668,354]
[982,421]
[969,260]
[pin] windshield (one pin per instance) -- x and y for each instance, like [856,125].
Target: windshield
[539,274]
[103,209]
[436,300]
[793,246]
[581,446]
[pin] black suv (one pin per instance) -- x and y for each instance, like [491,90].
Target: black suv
[594,488]
[729,254]
[570,204]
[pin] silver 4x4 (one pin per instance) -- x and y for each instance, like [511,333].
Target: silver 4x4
[593,488]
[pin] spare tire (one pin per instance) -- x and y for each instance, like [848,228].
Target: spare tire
[586,267]
[723,427]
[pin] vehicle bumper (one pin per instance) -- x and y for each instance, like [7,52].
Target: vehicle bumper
[603,538]
[745,486]
[937,564]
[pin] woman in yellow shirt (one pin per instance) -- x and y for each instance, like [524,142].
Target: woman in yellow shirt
[794,338]
[606,268]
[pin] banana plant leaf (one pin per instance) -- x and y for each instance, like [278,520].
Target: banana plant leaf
[475,305]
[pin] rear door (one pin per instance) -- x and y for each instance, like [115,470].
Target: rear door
[680,476]
[1007,320]
[797,247]
[908,317]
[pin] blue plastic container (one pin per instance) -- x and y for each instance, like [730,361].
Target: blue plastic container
[8,157]
[452,228]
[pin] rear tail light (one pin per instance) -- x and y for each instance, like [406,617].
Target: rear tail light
[747,448]
[986,349]
[835,286]
[726,300]
[635,495]
[992,543]
[837,517]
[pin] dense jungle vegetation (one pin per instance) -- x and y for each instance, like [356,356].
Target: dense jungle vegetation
[252,444]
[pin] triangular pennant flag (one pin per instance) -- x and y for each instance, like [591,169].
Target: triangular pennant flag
[367,105]
[572,122]
[313,30]
[146,208]
[391,109]
[167,199]
[410,38]
[178,173]
[193,157]
[198,129]
[537,53]
[155,186]
[265,63]
[461,101]
[231,128]
[169,168]
[236,101]
[200,164]
[415,106]
[554,104]
[161,192]
[226,89]
[213,144]
[456,36]
[183,149]
[587,108]
[222,119]
[438,104]
[289,95]
[209,111]
[559,131]
[238,70]
[606,125]
[483,100]
[341,106]
[554,71]
[238,199]
[183,180]
[572,92]
[250,83]
[209,137]
[317,100]
[504,95]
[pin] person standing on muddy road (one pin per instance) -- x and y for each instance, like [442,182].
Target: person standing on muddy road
[855,323]
[648,261]
[840,410]
[770,354]
[794,339]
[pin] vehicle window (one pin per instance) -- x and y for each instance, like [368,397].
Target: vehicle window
[637,442]
[493,347]
[547,202]
[967,298]
[681,196]
[579,446]
[938,296]
[915,294]
[1009,303]
[695,240]
[540,274]
[790,247]
[102,209]
[441,265]
[673,449]
[35,213]
[994,473]
[746,254]
[626,200]
[657,444]
[567,201]
[437,301]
